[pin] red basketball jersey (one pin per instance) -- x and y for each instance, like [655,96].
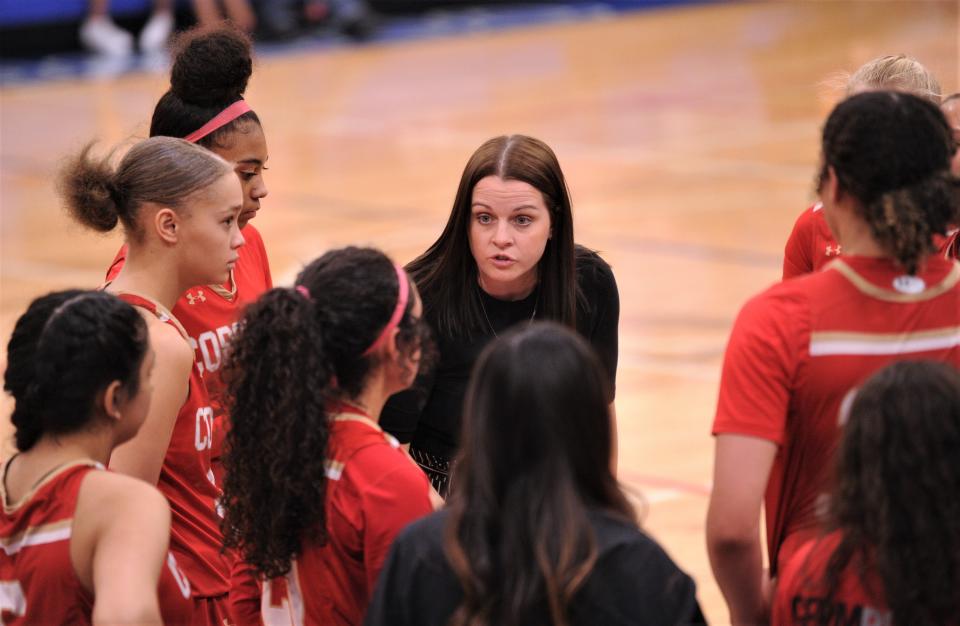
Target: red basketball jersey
[186,479]
[812,245]
[38,584]
[802,594]
[209,313]
[951,245]
[373,491]
[798,349]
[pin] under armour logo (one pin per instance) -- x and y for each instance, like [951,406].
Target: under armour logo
[833,250]
[193,299]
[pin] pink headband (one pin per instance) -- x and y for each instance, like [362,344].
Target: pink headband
[222,118]
[402,298]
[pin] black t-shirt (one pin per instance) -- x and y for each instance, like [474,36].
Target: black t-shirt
[429,416]
[633,581]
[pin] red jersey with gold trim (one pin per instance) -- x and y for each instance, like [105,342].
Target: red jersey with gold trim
[798,349]
[373,491]
[802,596]
[186,479]
[812,245]
[38,584]
[951,245]
[209,315]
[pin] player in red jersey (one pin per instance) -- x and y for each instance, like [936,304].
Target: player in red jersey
[205,105]
[178,204]
[797,349]
[892,552]
[310,371]
[80,543]
[811,245]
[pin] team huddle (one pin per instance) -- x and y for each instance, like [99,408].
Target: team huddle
[435,443]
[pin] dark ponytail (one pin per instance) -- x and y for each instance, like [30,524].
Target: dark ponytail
[905,220]
[295,351]
[891,151]
[64,350]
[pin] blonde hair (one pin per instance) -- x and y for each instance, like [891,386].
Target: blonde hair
[896,72]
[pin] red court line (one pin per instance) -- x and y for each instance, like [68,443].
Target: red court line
[645,480]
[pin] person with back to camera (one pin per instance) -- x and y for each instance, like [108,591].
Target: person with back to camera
[507,256]
[315,491]
[798,349]
[811,245]
[82,545]
[205,105]
[178,204]
[891,553]
[536,529]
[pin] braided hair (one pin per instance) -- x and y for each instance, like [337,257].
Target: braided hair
[64,351]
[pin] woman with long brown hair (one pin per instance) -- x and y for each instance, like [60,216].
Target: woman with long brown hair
[536,530]
[506,256]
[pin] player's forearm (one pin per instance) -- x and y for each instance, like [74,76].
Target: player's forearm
[737,563]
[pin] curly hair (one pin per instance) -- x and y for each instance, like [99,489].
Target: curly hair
[535,457]
[291,356]
[211,68]
[891,151]
[66,349]
[895,498]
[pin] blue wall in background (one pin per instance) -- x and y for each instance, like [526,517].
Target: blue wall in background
[27,12]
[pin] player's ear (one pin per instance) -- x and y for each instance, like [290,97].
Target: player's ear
[166,222]
[831,186]
[110,400]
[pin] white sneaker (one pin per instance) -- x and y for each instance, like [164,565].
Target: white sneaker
[99,34]
[156,32]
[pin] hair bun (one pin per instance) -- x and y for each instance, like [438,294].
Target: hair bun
[211,67]
[89,190]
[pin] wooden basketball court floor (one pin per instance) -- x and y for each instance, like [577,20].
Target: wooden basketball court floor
[689,137]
